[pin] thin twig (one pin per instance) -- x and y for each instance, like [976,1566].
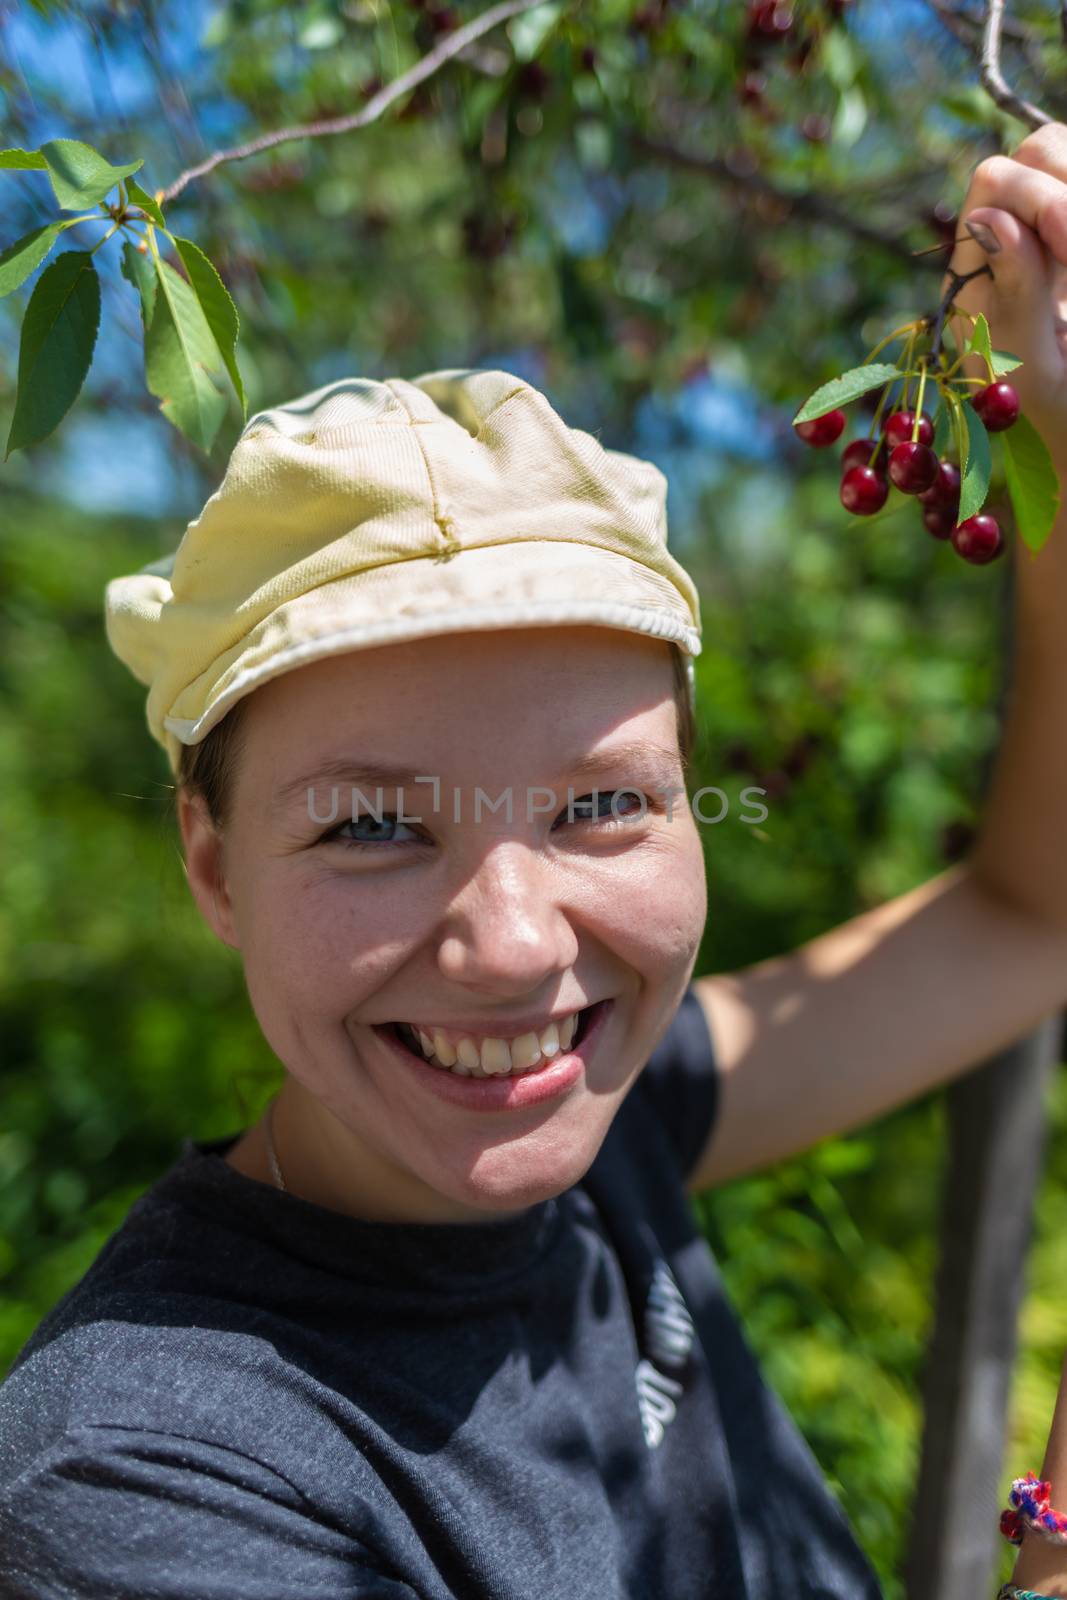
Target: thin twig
[993,78]
[937,323]
[449,46]
[1063,20]
[957,18]
[803,202]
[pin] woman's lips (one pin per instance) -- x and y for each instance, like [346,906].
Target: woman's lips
[511,1092]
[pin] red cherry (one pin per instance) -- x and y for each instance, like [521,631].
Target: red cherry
[939,520]
[997,405]
[859,453]
[770,19]
[899,427]
[979,539]
[824,430]
[863,491]
[944,492]
[912,467]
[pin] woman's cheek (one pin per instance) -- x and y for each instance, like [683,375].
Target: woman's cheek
[320,939]
[652,899]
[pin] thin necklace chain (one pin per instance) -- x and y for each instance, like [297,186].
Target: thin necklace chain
[272,1156]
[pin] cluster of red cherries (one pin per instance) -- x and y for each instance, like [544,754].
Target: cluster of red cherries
[902,456]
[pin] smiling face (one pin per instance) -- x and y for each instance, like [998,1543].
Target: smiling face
[476,926]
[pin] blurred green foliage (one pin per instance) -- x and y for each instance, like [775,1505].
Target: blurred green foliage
[509,218]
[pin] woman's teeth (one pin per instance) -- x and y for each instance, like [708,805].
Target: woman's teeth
[489,1058]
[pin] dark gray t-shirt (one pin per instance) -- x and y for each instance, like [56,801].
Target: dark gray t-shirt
[251,1397]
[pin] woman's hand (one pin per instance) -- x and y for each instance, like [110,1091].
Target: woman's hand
[1023,199]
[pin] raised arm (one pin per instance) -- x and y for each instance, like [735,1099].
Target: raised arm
[908,996]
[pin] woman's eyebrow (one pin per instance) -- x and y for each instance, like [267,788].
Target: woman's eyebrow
[642,756]
[360,774]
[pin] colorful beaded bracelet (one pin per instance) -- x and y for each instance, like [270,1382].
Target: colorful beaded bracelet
[1009,1591]
[1030,1509]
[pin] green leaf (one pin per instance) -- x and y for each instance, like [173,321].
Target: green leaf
[140,271]
[850,118]
[1033,484]
[976,474]
[22,160]
[179,354]
[80,175]
[27,253]
[529,30]
[141,197]
[849,386]
[217,306]
[1004,362]
[980,344]
[56,348]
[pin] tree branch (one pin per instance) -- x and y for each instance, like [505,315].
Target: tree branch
[993,78]
[819,208]
[451,45]
[959,18]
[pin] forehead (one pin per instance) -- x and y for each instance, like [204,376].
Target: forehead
[509,697]
[462,673]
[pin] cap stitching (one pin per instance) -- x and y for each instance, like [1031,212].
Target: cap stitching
[445,523]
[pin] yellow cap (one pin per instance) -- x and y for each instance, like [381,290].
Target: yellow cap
[365,513]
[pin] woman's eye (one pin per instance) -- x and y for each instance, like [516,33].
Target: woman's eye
[368,832]
[608,805]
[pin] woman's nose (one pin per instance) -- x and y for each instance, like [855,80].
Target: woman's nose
[505,932]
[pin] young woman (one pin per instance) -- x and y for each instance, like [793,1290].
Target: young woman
[441,1324]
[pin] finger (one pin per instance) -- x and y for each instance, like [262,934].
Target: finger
[1046,149]
[1022,304]
[1036,197]
[1019,263]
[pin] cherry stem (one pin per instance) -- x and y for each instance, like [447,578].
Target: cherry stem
[937,323]
[919,404]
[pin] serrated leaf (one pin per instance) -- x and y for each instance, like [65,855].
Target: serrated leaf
[1032,480]
[22,160]
[217,306]
[56,347]
[26,254]
[849,386]
[140,271]
[980,344]
[141,197]
[80,175]
[180,354]
[1003,361]
[975,484]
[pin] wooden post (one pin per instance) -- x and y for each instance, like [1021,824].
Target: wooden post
[996,1131]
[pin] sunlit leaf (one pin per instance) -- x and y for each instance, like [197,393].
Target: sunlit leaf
[56,347]
[217,306]
[180,356]
[141,197]
[1032,480]
[22,160]
[529,30]
[25,255]
[139,270]
[80,175]
[849,386]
